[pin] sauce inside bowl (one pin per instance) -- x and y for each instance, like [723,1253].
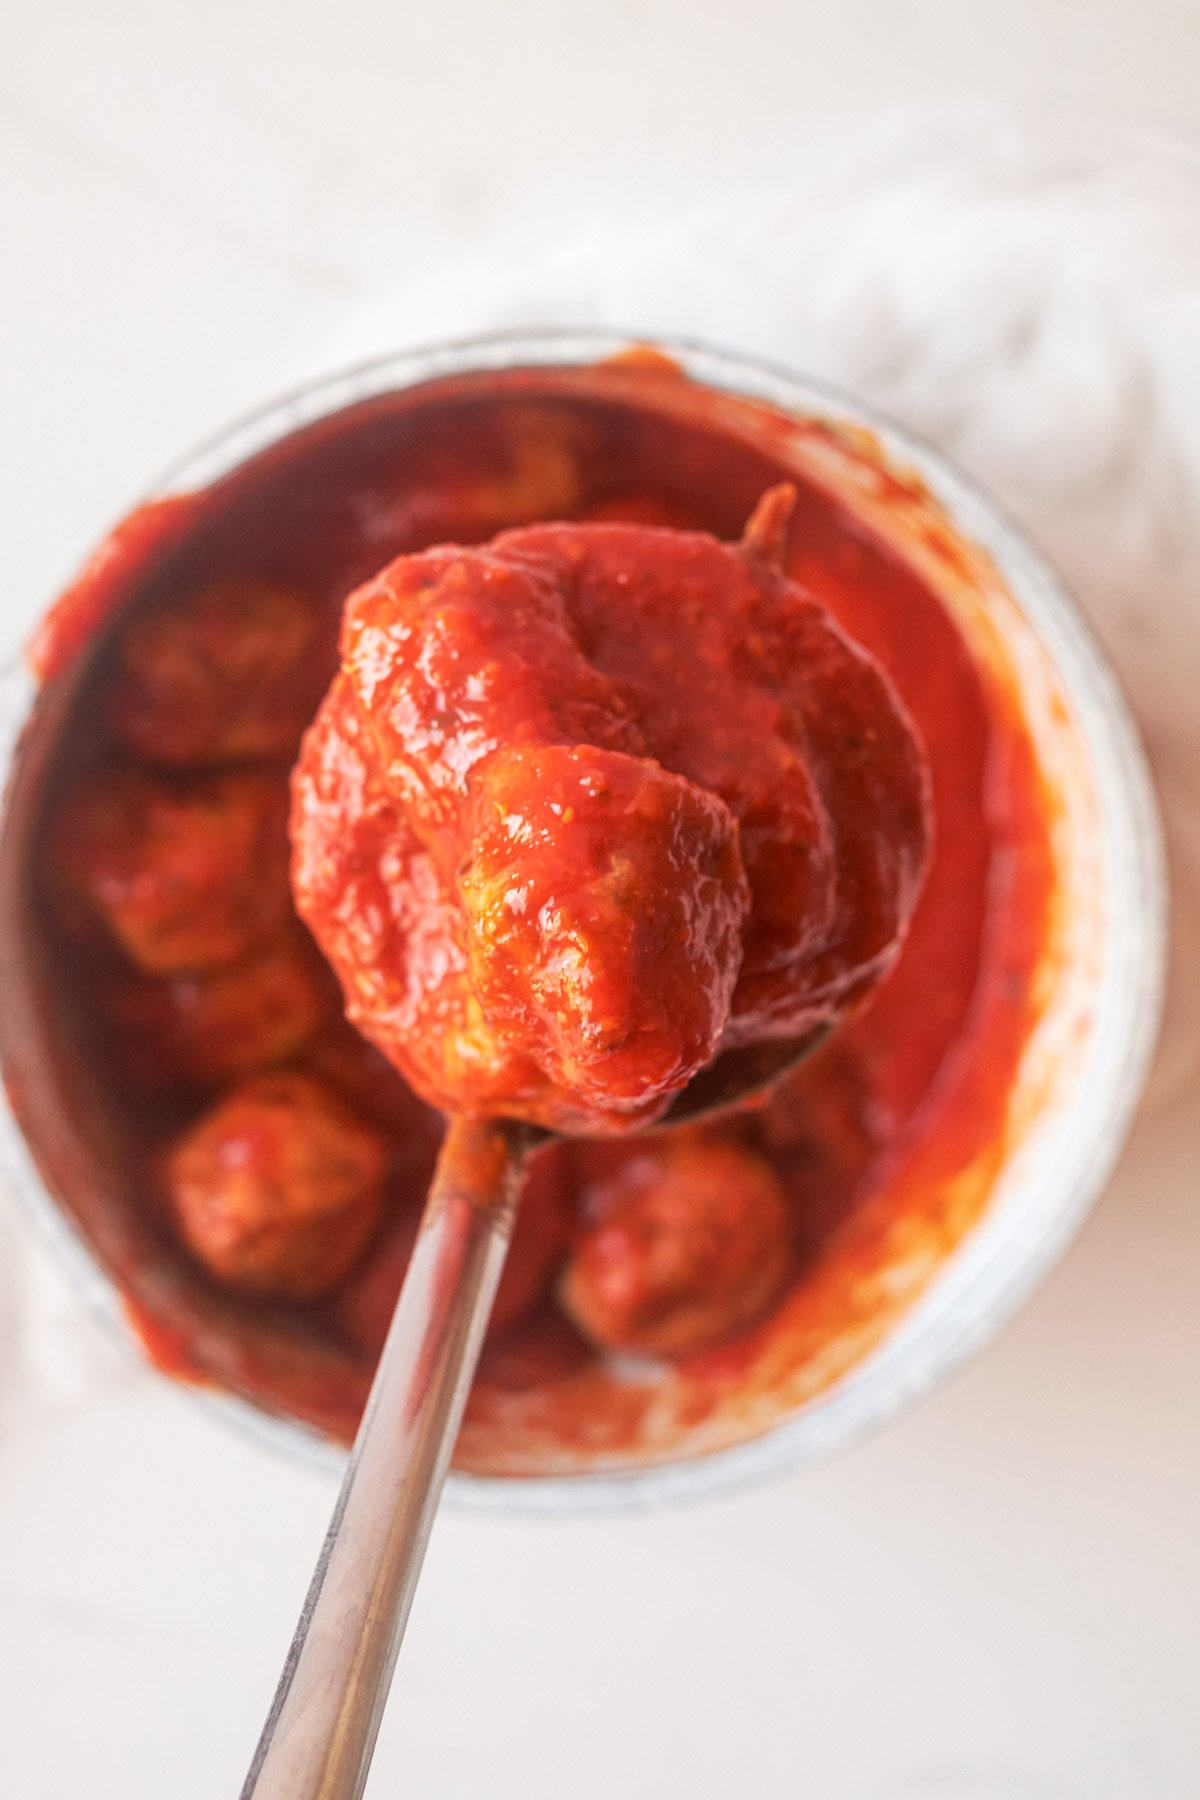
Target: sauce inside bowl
[882,1147]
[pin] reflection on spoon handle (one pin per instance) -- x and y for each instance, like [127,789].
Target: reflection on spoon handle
[319,1737]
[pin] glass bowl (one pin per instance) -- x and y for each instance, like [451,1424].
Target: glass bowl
[1084,1067]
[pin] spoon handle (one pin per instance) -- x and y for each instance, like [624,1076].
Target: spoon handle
[319,1737]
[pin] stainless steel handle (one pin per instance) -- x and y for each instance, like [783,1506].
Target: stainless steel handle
[319,1737]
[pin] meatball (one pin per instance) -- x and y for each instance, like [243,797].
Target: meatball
[380,909]
[218,1024]
[233,670]
[592,803]
[603,900]
[688,1243]
[535,471]
[180,873]
[365,1306]
[279,1188]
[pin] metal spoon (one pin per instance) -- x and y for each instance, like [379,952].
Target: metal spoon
[320,1734]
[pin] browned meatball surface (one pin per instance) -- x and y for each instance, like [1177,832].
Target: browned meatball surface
[218,1024]
[278,1189]
[231,671]
[689,1242]
[179,874]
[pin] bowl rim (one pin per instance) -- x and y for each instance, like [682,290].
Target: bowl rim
[1007,1254]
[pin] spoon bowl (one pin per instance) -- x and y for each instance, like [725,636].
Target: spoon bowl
[740,1077]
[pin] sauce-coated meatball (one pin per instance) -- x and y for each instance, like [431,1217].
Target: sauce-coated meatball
[278,1189]
[689,1243]
[233,670]
[218,1024]
[591,803]
[179,873]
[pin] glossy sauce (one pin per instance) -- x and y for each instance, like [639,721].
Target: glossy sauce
[883,1143]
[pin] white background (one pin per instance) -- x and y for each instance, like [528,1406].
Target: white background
[999,1599]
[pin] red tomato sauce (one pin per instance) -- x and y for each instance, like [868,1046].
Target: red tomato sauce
[880,1146]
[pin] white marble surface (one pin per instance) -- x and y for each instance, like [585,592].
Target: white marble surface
[999,1598]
